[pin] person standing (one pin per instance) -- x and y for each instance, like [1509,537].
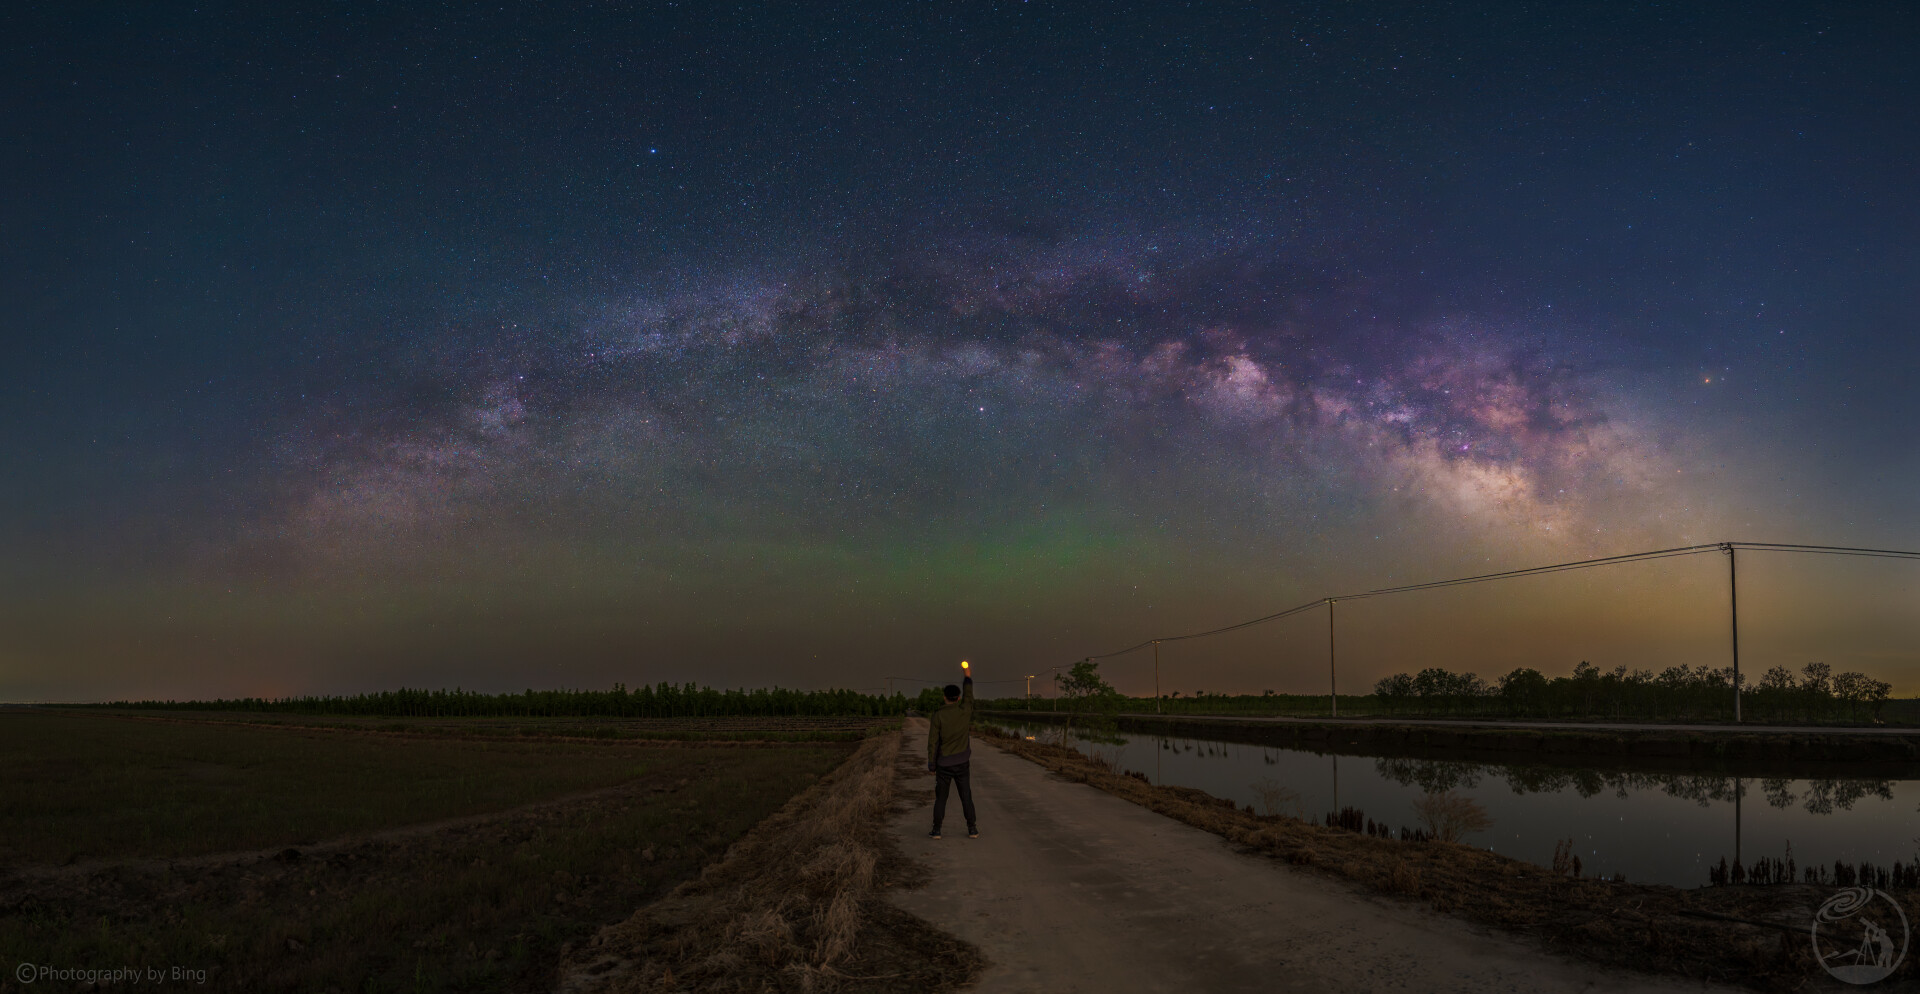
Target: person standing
[950,754]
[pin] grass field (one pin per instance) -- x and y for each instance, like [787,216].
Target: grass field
[488,901]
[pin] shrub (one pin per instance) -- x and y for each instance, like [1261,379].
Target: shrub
[1449,816]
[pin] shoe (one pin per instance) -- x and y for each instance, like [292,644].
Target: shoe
[973,833]
[933,834]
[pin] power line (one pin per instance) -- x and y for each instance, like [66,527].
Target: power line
[1632,557]
[1687,550]
[1690,550]
[1276,616]
[1830,550]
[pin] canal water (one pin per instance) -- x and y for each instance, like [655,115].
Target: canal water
[1662,828]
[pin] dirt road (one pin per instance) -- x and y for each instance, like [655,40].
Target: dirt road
[1071,889]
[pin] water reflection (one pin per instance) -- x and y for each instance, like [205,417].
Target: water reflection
[1820,797]
[1652,827]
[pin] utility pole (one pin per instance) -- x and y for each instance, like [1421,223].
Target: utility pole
[1156,676]
[1030,691]
[1736,820]
[1333,692]
[1733,600]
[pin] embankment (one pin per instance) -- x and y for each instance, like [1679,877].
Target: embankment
[1810,753]
[795,905]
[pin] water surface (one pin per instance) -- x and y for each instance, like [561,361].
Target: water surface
[1666,828]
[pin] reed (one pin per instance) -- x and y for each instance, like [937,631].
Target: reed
[1349,818]
[1771,871]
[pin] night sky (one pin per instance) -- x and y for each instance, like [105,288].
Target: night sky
[368,345]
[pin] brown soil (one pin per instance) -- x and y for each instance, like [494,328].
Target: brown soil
[1752,936]
[794,906]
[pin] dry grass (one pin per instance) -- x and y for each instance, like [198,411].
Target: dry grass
[794,906]
[1751,936]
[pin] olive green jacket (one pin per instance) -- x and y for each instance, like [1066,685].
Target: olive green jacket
[950,729]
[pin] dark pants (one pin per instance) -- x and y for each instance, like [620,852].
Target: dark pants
[958,775]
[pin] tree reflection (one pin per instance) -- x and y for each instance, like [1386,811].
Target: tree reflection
[1821,796]
[1431,775]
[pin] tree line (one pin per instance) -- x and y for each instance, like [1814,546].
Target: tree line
[1816,693]
[662,700]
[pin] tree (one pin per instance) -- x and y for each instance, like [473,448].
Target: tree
[1774,694]
[1524,691]
[1586,681]
[1816,688]
[1858,690]
[1464,690]
[1082,682]
[1878,691]
[1430,685]
[1394,690]
[931,699]
[1082,686]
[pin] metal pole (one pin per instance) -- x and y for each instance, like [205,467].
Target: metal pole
[1736,820]
[1333,693]
[1156,676]
[1733,599]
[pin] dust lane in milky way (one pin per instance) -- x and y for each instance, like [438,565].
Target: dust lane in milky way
[744,346]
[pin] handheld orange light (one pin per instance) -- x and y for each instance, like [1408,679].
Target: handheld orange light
[963,664]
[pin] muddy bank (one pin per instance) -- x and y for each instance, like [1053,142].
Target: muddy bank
[1810,754]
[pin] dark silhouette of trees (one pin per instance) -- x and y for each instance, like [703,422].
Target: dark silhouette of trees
[1678,692]
[663,700]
